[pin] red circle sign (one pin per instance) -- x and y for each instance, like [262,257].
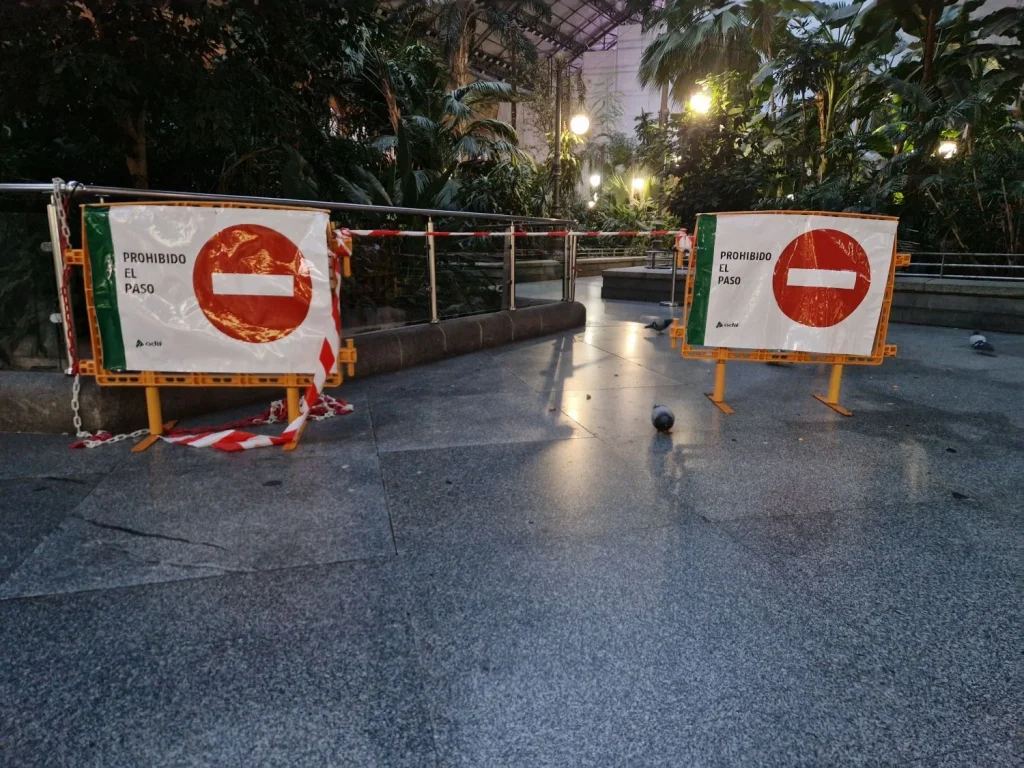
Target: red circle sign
[252,283]
[821,278]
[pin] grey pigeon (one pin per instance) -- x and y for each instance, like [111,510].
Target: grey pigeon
[981,345]
[660,325]
[662,418]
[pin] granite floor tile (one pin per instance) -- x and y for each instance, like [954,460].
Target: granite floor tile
[625,414]
[936,587]
[26,455]
[31,509]
[137,527]
[658,647]
[577,366]
[466,375]
[312,666]
[443,422]
[491,495]
[808,470]
[1006,754]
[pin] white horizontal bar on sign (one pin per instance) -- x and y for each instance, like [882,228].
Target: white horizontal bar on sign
[236,284]
[822,278]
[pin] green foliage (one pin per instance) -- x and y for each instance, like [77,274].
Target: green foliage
[844,112]
[316,100]
[174,94]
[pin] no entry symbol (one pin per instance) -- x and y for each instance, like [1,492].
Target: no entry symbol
[252,283]
[821,278]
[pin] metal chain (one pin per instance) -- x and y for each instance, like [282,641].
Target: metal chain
[276,413]
[61,206]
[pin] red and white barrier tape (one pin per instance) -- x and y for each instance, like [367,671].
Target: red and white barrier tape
[327,407]
[238,440]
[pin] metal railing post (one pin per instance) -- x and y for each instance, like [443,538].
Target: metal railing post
[565,269]
[942,265]
[432,270]
[58,271]
[572,267]
[512,268]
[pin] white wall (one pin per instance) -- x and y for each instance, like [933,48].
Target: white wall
[610,76]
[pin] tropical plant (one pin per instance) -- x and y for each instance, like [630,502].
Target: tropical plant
[417,165]
[704,37]
[457,24]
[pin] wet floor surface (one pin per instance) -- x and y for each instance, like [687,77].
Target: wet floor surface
[496,561]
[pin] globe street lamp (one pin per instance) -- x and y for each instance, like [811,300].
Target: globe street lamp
[947,150]
[579,124]
[595,179]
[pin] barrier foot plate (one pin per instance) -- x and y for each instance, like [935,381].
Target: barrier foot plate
[834,406]
[148,440]
[295,443]
[718,403]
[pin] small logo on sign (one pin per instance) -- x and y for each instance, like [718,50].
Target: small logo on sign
[727,325]
[141,343]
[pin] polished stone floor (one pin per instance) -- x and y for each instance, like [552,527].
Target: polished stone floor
[495,561]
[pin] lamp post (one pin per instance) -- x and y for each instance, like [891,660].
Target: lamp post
[556,169]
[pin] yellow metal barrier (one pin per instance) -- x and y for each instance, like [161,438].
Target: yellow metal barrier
[881,350]
[153,381]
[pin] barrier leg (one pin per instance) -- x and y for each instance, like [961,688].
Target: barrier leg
[835,380]
[718,396]
[156,420]
[351,367]
[294,393]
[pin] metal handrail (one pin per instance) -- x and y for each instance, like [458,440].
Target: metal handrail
[961,253]
[965,265]
[77,188]
[943,266]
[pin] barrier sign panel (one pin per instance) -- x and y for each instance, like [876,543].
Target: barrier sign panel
[206,289]
[800,282]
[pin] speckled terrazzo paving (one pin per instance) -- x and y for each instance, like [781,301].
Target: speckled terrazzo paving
[496,562]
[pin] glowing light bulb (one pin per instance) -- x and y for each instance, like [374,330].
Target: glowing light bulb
[700,103]
[595,179]
[579,124]
[947,150]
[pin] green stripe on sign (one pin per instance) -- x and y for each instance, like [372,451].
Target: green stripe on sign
[104,286]
[695,324]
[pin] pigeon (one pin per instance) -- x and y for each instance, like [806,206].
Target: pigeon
[662,418]
[660,325]
[981,345]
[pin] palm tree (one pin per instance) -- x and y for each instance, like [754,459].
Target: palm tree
[458,29]
[419,162]
[706,37]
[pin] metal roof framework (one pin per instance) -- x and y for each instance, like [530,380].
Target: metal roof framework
[574,26]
